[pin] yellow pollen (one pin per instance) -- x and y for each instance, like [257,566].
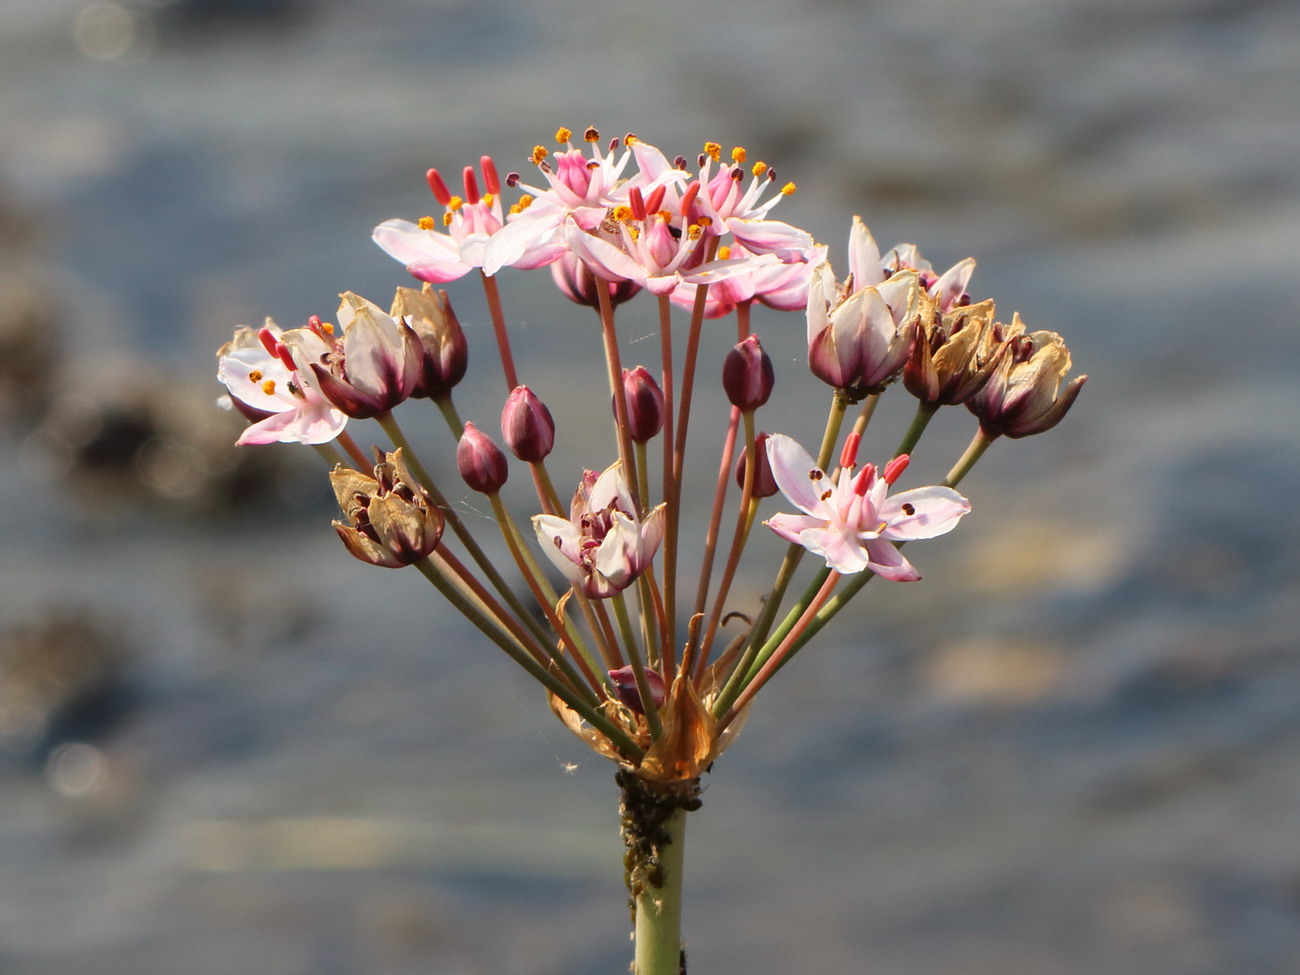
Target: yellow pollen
[515,208]
[712,150]
[760,168]
[268,387]
[706,221]
[488,199]
[525,201]
[539,154]
[255,376]
[563,135]
[724,252]
[455,203]
[738,154]
[623,212]
[634,233]
[446,219]
[694,231]
[665,215]
[327,328]
[631,140]
[787,189]
[426,223]
[592,134]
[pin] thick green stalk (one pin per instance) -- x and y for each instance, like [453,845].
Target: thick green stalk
[659,908]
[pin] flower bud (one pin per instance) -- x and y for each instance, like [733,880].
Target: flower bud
[645,404]
[481,462]
[579,285]
[527,426]
[1023,396]
[391,520]
[624,681]
[764,482]
[445,353]
[747,375]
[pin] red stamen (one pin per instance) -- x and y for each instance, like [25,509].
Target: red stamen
[656,199]
[471,185]
[849,455]
[895,468]
[439,188]
[269,342]
[688,198]
[862,483]
[490,178]
[636,202]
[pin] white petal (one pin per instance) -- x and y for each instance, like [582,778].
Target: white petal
[934,511]
[797,474]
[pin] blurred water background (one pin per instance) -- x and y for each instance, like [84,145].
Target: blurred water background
[225,746]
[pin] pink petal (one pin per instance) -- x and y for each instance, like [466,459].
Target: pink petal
[864,256]
[797,474]
[771,237]
[934,511]
[888,562]
[791,527]
[841,552]
[427,254]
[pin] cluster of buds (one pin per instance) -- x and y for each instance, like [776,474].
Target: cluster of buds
[654,670]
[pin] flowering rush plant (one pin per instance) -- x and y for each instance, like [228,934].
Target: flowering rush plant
[654,667]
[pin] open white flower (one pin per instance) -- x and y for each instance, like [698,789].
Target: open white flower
[852,523]
[284,408]
[602,547]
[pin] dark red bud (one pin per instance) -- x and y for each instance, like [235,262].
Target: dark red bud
[527,426]
[764,482]
[624,681]
[645,404]
[481,462]
[579,285]
[747,375]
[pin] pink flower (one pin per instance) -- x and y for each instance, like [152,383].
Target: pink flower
[860,337]
[470,220]
[642,242]
[261,383]
[868,268]
[374,366]
[852,523]
[780,286]
[602,547]
[741,210]
[578,187]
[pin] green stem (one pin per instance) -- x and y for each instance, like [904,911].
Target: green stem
[659,908]
[924,414]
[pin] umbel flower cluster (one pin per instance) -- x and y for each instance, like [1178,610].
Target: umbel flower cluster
[654,665]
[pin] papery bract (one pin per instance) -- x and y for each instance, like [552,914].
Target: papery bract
[852,523]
